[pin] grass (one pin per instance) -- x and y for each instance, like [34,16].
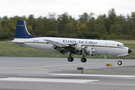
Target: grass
[8,49]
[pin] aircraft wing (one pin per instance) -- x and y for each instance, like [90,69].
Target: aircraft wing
[56,43]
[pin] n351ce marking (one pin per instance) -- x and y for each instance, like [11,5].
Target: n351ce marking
[82,47]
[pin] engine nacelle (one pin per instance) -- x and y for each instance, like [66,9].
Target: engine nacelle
[84,50]
[90,51]
[78,47]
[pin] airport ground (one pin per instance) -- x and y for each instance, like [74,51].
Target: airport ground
[27,73]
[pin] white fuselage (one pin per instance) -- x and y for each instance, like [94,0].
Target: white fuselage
[101,47]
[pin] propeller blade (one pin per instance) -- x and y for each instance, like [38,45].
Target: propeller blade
[83,50]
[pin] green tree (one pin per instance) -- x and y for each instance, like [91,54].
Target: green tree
[85,17]
[100,26]
[62,20]
[132,24]
[31,22]
[112,15]
[70,28]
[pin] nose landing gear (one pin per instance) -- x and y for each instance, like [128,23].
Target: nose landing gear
[119,62]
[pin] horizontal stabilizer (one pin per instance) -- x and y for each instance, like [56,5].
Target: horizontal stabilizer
[18,42]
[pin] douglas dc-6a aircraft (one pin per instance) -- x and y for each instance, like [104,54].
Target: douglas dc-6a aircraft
[82,47]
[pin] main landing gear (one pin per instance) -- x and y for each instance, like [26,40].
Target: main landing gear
[71,59]
[83,59]
[119,62]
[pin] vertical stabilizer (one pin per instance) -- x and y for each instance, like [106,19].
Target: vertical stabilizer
[21,30]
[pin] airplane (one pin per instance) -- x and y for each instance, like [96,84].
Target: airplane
[82,47]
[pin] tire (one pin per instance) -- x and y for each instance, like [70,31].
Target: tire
[70,59]
[119,62]
[83,60]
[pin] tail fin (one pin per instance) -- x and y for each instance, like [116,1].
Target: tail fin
[21,30]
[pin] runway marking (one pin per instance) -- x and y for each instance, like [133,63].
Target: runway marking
[118,84]
[47,80]
[52,66]
[44,67]
[68,65]
[96,75]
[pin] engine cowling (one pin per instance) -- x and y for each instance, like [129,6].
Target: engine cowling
[78,47]
[90,51]
[85,50]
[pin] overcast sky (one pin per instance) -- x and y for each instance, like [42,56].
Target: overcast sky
[74,8]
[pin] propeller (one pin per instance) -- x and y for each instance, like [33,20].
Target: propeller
[83,50]
[90,50]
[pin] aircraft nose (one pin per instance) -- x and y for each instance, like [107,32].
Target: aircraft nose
[129,50]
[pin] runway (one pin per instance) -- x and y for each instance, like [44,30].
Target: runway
[25,73]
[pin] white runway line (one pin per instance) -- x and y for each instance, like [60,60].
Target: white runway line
[47,80]
[118,84]
[97,75]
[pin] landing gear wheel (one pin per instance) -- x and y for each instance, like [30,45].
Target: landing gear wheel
[70,59]
[119,62]
[83,60]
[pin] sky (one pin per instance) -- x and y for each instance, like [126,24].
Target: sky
[74,8]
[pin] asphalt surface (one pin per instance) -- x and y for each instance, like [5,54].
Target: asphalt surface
[23,73]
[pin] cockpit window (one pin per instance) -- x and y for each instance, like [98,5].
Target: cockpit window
[120,45]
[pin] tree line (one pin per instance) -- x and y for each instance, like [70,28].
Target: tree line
[109,26]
